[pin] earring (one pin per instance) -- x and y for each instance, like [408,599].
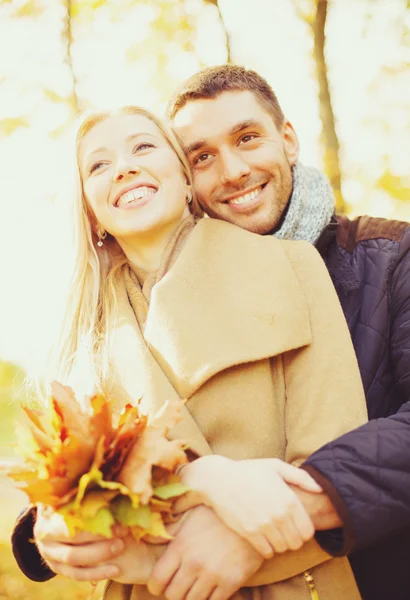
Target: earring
[101,237]
[189,197]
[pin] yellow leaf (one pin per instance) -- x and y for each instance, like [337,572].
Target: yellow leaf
[94,501]
[157,528]
[100,524]
[170,490]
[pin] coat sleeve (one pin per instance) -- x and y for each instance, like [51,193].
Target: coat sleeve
[25,550]
[366,473]
[324,393]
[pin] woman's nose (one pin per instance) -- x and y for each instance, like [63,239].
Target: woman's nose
[125,170]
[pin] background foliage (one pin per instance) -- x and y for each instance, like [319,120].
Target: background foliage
[341,69]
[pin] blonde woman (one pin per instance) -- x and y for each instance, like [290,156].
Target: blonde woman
[165,305]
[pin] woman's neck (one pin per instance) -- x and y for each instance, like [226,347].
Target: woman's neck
[146,251]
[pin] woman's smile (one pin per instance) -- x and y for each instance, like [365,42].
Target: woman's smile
[135,196]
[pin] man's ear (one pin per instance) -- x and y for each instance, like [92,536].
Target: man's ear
[290,142]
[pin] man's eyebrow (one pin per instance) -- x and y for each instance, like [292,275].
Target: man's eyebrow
[244,125]
[235,129]
[195,146]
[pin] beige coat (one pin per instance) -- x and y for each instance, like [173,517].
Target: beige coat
[250,331]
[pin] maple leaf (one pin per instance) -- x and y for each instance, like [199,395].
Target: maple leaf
[72,458]
[152,449]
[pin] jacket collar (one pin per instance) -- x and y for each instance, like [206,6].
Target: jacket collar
[336,257]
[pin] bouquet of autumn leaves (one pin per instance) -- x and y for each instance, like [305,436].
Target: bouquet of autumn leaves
[96,468]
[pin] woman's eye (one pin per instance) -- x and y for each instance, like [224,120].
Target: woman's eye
[142,146]
[95,167]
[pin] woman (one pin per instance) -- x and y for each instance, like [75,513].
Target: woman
[246,328]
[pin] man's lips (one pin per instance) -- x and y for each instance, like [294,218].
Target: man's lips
[134,193]
[244,197]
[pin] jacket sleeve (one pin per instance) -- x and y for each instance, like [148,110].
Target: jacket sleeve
[366,473]
[25,550]
[324,393]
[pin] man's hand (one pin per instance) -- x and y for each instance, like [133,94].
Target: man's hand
[320,509]
[254,499]
[84,557]
[206,560]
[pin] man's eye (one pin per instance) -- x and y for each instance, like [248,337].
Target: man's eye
[247,138]
[201,158]
[142,146]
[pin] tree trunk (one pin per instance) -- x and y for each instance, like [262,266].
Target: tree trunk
[330,141]
[227,36]
[68,39]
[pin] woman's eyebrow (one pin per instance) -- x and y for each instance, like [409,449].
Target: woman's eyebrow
[134,136]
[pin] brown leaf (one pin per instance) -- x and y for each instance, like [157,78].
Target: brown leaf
[153,449]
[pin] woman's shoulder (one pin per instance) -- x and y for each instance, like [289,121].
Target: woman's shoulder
[211,231]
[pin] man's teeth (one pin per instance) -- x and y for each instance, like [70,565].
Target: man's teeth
[136,194]
[246,198]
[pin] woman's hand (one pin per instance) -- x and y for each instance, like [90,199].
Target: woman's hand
[252,497]
[83,557]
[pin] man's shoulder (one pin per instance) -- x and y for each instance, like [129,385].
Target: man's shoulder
[351,232]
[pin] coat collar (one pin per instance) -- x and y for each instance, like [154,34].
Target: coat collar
[232,297]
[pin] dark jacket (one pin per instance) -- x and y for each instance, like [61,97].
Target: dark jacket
[366,472]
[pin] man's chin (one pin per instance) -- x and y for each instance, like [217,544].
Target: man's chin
[255,223]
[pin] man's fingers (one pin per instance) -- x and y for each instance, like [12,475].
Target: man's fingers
[86,555]
[299,477]
[85,574]
[163,572]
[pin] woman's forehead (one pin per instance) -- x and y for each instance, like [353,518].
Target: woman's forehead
[116,129]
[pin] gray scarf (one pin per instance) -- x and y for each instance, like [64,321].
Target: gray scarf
[310,208]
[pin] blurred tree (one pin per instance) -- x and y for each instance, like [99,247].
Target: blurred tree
[68,59]
[223,25]
[314,14]
[11,391]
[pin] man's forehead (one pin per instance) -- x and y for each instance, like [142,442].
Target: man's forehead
[209,117]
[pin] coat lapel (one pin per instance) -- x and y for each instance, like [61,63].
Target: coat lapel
[232,297]
[137,377]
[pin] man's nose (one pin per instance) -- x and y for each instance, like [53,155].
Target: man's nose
[234,169]
[124,170]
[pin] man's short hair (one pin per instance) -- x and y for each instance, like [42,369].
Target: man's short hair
[213,81]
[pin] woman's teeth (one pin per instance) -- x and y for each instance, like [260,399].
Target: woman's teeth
[135,194]
[246,197]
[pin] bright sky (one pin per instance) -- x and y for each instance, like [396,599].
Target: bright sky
[372,111]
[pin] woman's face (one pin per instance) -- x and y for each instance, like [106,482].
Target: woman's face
[132,179]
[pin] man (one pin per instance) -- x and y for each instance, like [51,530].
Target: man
[243,154]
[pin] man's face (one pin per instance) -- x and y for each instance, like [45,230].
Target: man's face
[241,163]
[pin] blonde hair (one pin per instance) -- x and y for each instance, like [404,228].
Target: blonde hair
[91,304]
